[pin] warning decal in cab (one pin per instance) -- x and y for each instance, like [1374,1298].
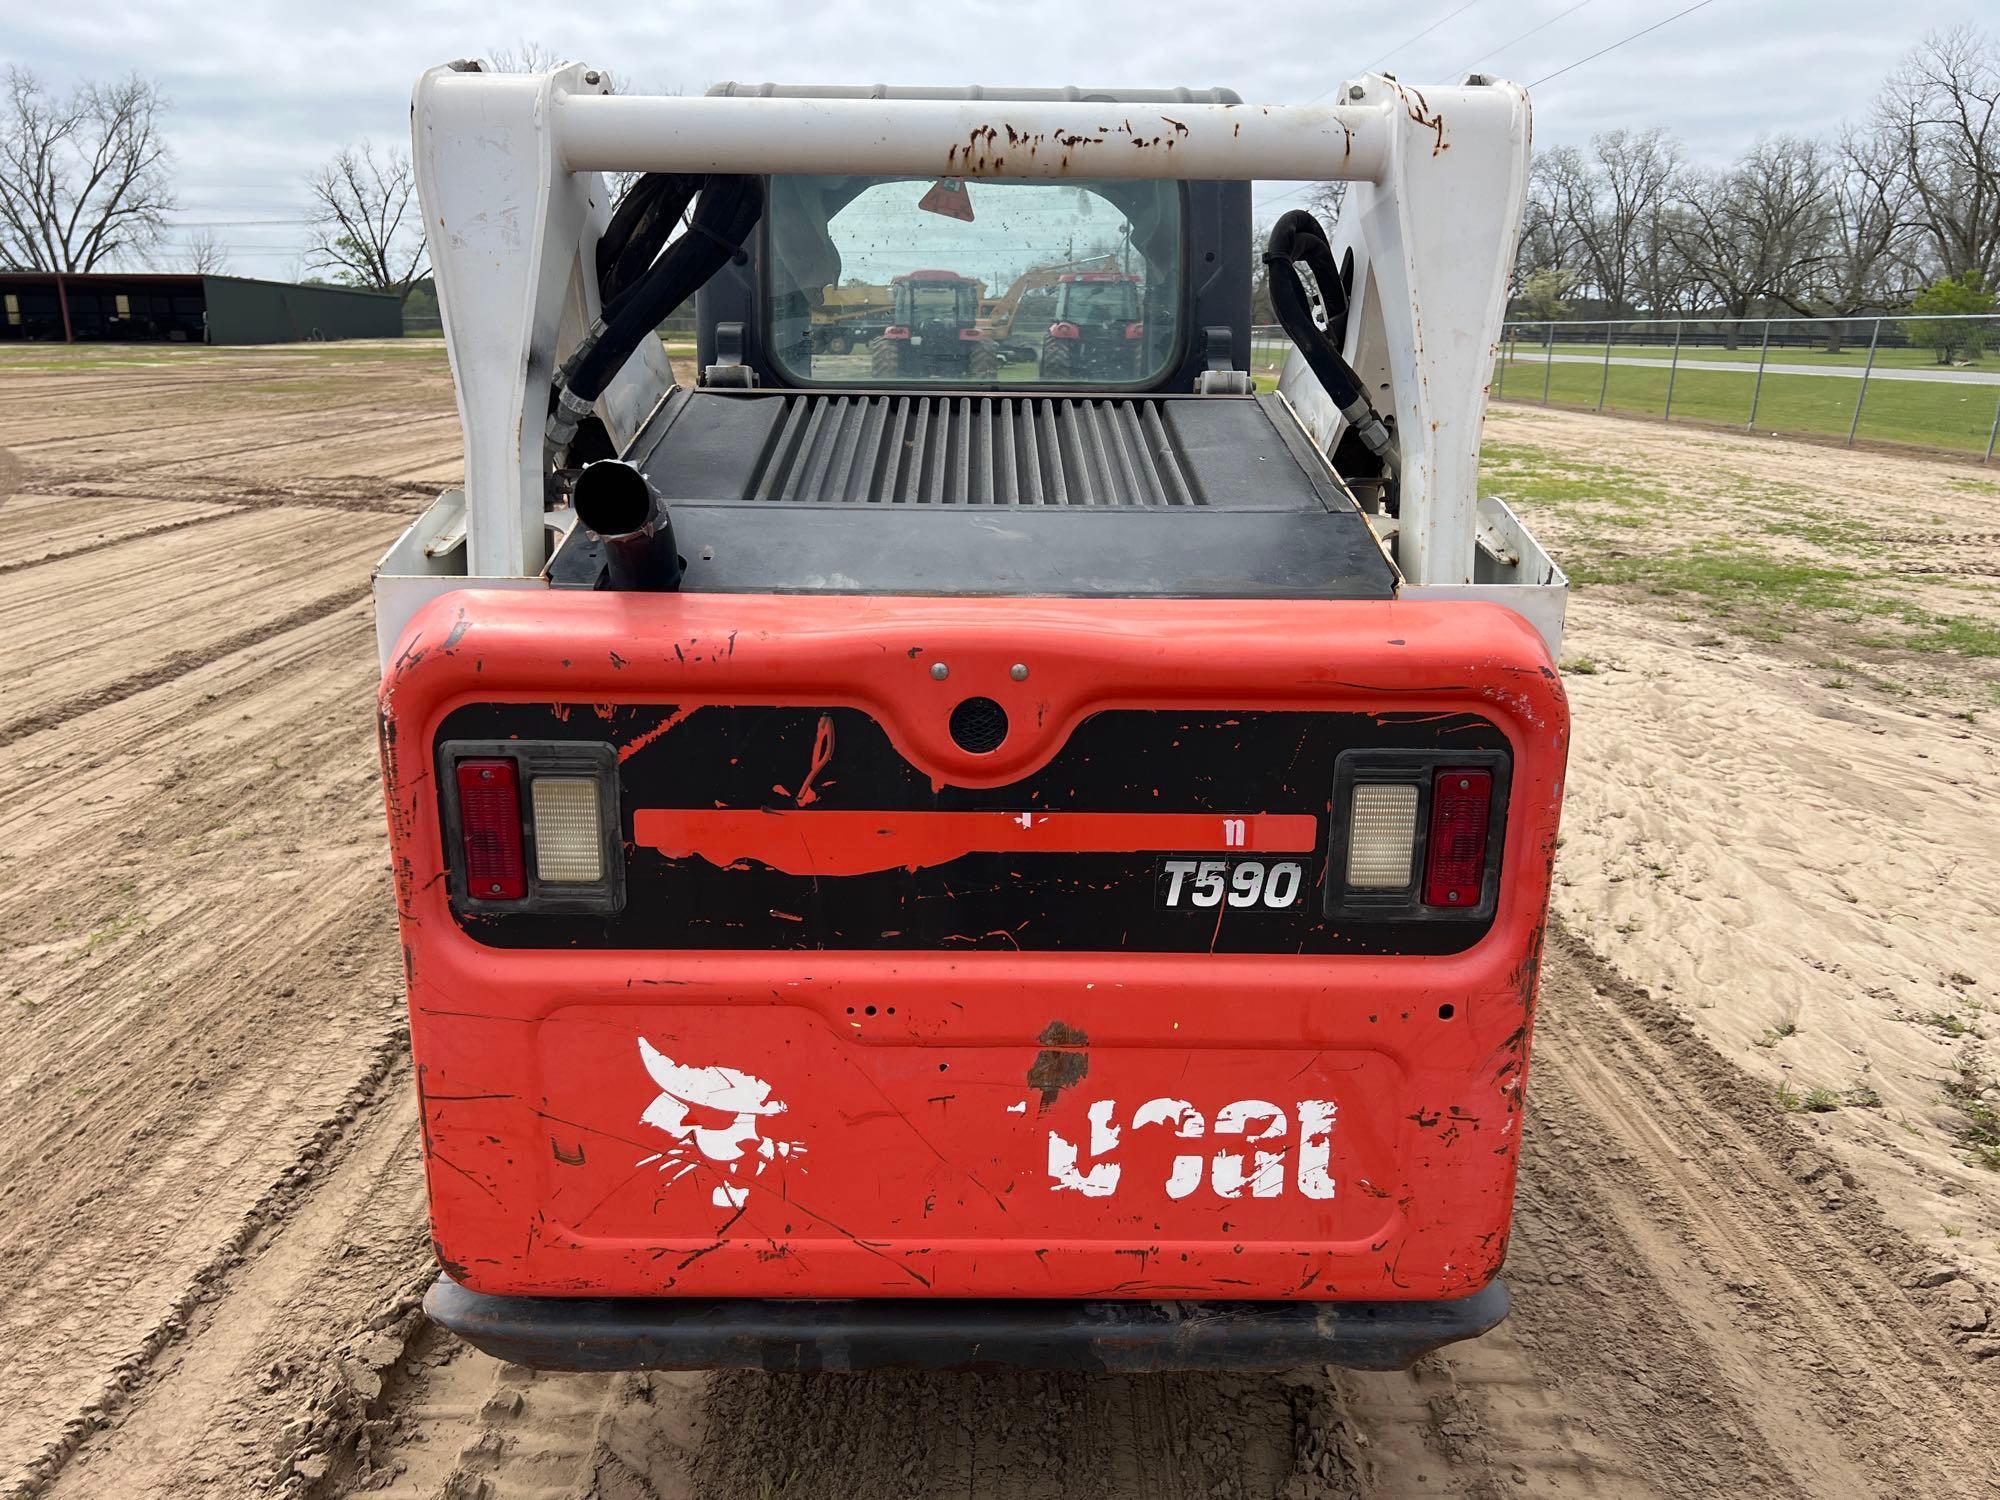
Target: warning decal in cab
[1197,883]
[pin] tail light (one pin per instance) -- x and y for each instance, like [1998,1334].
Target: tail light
[1455,853]
[896,332]
[970,334]
[533,826]
[1382,835]
[1135,330]
[1065,331]
[489,814]
[1414,834]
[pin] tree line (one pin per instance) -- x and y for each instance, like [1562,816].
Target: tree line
[1898,210]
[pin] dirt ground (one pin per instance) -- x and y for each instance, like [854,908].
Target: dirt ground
[211,1212]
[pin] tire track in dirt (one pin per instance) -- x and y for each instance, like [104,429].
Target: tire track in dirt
[17,564]
[365,493]
[1690,1319]
[211,1279]
[178,665]
[204,1006]
[1781,1283]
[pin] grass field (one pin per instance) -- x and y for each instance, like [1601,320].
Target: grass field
[1951,415]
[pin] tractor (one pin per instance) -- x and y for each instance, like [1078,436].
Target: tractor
[902,871]
[935,331]
[1097,332]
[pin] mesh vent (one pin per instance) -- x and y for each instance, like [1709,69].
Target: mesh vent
[972,450]
[978,726]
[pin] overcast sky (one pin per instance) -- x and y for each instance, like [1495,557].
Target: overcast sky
[263,91]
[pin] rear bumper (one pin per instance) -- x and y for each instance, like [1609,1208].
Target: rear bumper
[668,1333]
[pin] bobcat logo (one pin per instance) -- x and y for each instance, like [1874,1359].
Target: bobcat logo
[716,1112]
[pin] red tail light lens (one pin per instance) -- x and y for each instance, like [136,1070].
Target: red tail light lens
[489,816]
[1455,858]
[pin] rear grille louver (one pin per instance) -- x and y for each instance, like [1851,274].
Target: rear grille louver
[972,450]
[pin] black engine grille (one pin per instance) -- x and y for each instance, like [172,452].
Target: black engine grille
[972,450]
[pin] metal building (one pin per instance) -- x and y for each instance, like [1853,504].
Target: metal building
[117,307]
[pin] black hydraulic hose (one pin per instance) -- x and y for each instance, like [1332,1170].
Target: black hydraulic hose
[1297,238]
[640,226]
[724,216]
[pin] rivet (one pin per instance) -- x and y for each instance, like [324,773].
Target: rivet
[940,671]
[1019,671]
[1356,92]
[592,79]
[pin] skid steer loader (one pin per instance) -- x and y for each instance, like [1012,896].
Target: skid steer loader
[929,871]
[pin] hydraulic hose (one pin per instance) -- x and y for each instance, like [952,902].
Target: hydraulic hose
[1297,238]
[724,215]
[639,229]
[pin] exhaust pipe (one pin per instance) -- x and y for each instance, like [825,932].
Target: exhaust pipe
[615,503]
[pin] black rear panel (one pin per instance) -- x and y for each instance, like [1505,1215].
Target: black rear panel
[1120,761]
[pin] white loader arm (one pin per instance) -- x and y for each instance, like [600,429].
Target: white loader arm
[508,169]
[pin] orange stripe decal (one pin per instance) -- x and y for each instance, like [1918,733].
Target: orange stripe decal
[802,841]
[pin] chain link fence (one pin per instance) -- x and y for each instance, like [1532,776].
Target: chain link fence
[1930,382]
[1933,382]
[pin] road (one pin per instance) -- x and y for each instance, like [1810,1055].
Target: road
[1841,372]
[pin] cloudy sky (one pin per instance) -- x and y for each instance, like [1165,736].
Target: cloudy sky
[263,90]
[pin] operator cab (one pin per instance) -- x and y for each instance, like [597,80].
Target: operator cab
[1118,429]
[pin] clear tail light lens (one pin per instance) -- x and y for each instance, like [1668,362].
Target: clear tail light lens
[489,812]
[569,837]
[1455,857]
[1381,835]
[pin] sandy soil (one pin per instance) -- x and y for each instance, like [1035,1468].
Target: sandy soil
[211,1234]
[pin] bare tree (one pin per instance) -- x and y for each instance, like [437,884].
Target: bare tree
[1759,231]
[366,225]
[1601,216]
[83,179]
[205,255]
[526,56]
[1941,111]
[1869,259]
[1324,201]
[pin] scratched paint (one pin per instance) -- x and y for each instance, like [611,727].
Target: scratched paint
[1226,1173]
[718,1112]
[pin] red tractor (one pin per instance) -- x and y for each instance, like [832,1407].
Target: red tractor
[936,333]
[1097,334]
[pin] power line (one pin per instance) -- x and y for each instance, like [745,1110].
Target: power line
[1496,51]
[1699,4]
[1407,41]
[1421,35]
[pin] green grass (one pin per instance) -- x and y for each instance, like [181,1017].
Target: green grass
[1972,1089]
[1828,569]
[1952,415]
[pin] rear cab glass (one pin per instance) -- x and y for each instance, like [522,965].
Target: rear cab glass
[927,282]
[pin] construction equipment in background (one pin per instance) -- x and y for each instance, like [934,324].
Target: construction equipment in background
[927,871]
[935,332]
[851,316]
[1097,331]
[1031,296]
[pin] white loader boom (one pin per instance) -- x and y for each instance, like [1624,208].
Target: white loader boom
[508,167]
